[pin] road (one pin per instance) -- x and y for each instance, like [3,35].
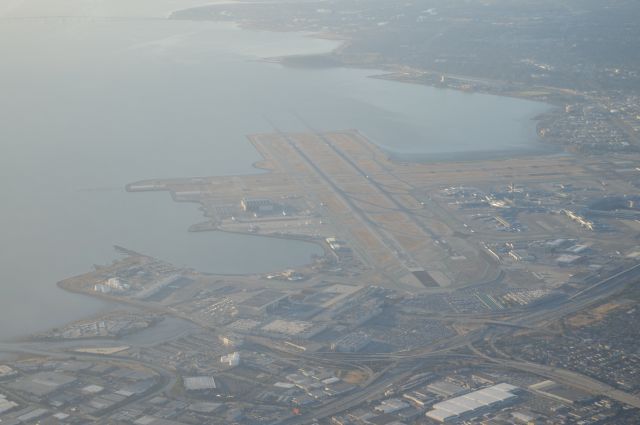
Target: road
[592,295]
[573,379]
[167,378]
[402,364]
[382,381]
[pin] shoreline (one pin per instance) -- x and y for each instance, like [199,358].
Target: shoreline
[263,166]
[554,97]
[390,71]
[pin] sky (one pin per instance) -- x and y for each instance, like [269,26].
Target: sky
[96,8]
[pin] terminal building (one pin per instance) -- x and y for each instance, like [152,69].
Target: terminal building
[474,403]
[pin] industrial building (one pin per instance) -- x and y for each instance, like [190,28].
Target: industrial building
[391,405]
[261,302]
[351,343]
[6,405]
[297,328]
[170,281]
[231,340]
[199,383]
[232,359]
[42,384]
[336,245]
[256,205]
[446,389]
[112,284]
[476,402]
[566,260]
[6,371]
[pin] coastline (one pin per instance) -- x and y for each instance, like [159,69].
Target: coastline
[554,97]
[389,71]
[263,164]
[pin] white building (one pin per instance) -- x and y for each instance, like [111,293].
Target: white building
[391,405]
[232,359]
[199,383]
[112,284]
[6,405]
[476,402]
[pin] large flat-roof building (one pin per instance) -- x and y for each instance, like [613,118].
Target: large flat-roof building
[6,405]
[351,343]
[257,205]
[446,389]
[199,383]
[475,402]
[43,383]
[262,301]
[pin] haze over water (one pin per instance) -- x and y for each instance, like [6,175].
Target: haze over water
[99,94]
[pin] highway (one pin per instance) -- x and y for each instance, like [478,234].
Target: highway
[529,320]
[402,359]
[582,299]
[618,276]
[563,376]
[402,365]
[381,381]
[573,379]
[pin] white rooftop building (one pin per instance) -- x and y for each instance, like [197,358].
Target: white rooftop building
[6,371]
[391,405]
[6,405]
[232,359]
[199,383]
[112,284]
[473,403]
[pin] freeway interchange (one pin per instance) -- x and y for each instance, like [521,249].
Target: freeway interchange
[393,369]
[404,364]
[410,253]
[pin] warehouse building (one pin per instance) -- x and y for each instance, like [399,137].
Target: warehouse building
[199,383]
[351,343]
[257,205]
[474,403]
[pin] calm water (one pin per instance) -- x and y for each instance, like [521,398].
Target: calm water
[118,94]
